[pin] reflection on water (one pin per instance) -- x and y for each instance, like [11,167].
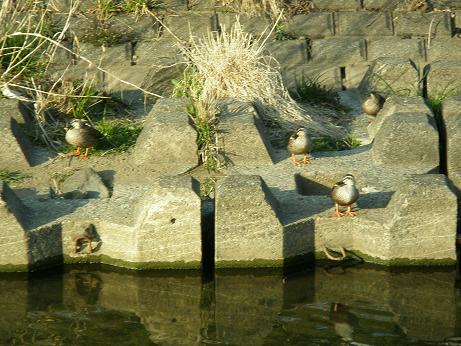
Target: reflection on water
[357,306]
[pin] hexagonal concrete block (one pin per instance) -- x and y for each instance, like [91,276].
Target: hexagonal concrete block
[168,139]
[398,104]
[14,243]
[451,116]
[248,230]
[425,218]
[241,136]
[407,140]
[168,223]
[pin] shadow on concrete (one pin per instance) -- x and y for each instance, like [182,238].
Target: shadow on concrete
[41,209]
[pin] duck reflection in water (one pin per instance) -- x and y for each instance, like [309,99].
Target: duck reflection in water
[343,321]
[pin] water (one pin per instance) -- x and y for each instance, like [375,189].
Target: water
[329,306]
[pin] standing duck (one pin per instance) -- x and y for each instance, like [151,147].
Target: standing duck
[300,144]
[82,135]
[345,193]
[373,104]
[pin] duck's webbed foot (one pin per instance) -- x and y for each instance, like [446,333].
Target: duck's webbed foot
[295,162]
[306,159]
[337,212]
[349,211]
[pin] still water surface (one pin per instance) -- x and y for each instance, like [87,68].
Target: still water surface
[327,306]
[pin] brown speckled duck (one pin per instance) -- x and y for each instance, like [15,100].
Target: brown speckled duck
[345,193]
[300,144]
[82,135]
[373,103]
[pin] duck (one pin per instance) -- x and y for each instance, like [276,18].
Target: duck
[300,144]
[82,135]
[373,104]
[345,193]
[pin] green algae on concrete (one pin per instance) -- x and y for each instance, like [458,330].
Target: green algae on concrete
[396,262]
[266,263]
[104,259]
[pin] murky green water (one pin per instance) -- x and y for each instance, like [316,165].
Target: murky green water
[353,306]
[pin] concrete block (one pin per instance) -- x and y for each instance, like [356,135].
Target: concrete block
[241,135]
[257,26]
[150,64]
[392,76]
[168,223]
[354,74]
[448,49]
[364,23]
[444,78]
[418,24]
[323,74]
[19,149]
[374,5]
[203,5]
[457,15]
[451,116]
[168,139]
[176,5]
[446,4]
[398,104]
[248,231]
[84,183]
[407,140]
[14,249]
[288,53]
[186,24]
[333,5]
[141,28]
[425,217]
[395,47]
[339,51]
[312,25]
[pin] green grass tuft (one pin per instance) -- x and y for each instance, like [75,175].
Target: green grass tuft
[12,177]
[121,134]
[282,35]
[331,144]
[311,90]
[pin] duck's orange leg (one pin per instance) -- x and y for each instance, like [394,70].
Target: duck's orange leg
[77,152]
[337,212]
[293,159]
[349,211]
[306,159]
[85,156]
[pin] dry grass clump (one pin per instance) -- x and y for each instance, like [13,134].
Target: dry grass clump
[234,65]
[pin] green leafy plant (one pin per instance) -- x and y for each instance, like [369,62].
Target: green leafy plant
[12,177]
[282,35]
[207,187]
